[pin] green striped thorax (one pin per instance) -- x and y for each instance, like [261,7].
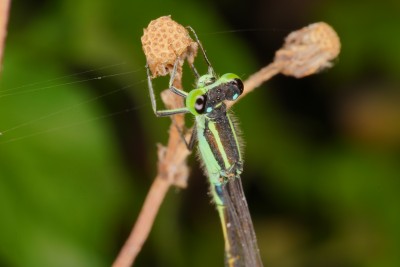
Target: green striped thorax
[211,92]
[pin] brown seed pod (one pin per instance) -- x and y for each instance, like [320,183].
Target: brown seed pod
[163,42]
[308,50]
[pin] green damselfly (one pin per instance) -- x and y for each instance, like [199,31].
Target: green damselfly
[219,149]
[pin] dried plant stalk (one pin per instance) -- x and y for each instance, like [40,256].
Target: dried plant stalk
[4,8]
[161,54]
[305,52]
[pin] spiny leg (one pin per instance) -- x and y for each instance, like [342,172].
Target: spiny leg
[165,113]
[195,72]
[192,139]
[172,79]
[210,68]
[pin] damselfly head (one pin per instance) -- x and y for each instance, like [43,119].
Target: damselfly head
[211,93]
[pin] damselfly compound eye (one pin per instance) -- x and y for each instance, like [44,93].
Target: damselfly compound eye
[200,104]
[239,85]
[235,89]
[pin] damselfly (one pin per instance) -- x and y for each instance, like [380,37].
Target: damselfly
[219,149]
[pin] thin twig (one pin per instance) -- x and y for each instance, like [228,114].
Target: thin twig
[4,9]
[172,170]
[142,227]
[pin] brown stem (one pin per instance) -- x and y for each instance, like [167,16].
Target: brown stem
[142,227]
[172,170]
[4,8]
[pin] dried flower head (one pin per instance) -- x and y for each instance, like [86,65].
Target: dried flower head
[163,42]
[308,50]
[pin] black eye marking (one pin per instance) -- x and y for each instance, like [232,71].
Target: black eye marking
[200,104]
[239,85]
[234,89]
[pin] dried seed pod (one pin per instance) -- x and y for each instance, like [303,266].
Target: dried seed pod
[163,42]
[308,50]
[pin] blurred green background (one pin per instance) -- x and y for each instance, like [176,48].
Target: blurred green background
[78,154]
